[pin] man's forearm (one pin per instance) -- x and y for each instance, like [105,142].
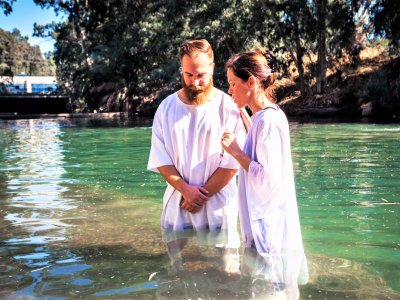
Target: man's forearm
[172,176]
[193,196]
[218,180]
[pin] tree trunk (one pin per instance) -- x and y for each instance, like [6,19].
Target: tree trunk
[298,58]
[300,69]
[322,53]
[305,89]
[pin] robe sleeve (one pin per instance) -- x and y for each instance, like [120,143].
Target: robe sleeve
[159,155]
[266,170]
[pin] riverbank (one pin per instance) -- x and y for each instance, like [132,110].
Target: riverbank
[369,89]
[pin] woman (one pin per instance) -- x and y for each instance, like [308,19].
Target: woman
[268,208]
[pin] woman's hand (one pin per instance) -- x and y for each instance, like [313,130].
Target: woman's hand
[230,144]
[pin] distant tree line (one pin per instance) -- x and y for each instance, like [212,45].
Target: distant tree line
[17,56]
[112,52]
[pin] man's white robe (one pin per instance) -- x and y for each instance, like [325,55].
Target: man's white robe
[189,138]
[267,198]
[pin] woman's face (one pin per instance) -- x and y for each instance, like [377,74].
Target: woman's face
[238,89]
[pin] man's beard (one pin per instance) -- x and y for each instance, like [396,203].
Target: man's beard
[197,94]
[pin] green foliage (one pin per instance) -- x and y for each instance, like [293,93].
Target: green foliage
[6,6]
[16,33]
[17,56]
[379,42]
[341,28]
[386,18]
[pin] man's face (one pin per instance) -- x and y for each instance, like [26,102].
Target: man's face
[197,76]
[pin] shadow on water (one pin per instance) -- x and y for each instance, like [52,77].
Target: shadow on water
[80,218]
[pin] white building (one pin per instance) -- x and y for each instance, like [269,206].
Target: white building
[28,84]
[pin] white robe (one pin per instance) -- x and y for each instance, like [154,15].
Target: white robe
[267,198]
[188,137]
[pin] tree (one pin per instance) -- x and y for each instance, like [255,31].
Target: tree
[386,18]
[322,52]
[6,6]
[16,33]
[18,56]
[110,52]
[294,23]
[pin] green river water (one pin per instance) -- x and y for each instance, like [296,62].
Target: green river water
[80,215]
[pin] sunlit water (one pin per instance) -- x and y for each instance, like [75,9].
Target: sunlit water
[80,215]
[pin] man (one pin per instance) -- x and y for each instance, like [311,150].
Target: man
[186,150]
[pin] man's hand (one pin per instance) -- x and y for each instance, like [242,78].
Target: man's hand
[193,198]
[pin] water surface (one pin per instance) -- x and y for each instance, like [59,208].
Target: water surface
[80,215]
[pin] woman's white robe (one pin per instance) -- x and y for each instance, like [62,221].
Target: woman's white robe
[188,137]
[267,198]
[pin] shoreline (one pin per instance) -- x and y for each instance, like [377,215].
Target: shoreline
[308,117]
[108,115]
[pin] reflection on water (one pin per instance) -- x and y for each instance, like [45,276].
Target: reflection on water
[34,170]
[201,270]
[80,218]
[33,206]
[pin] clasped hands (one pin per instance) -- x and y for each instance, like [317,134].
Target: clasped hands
[193,198]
